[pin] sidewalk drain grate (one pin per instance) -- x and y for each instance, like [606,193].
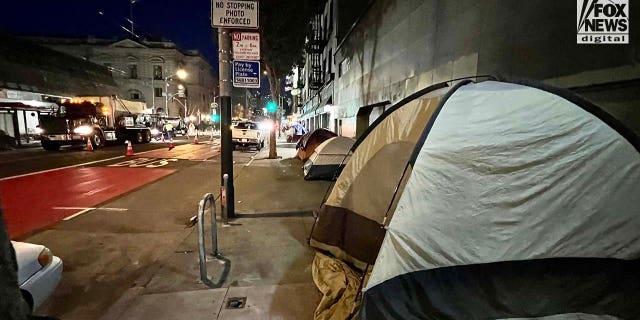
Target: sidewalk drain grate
[236,303]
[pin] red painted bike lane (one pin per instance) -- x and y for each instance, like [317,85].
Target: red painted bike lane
[37,201]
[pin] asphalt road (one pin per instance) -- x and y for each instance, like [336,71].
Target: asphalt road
[23,161]
[108,217]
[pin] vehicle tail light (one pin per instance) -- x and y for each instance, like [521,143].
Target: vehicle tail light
[45,257]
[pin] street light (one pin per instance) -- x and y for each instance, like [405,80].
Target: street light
[181,74]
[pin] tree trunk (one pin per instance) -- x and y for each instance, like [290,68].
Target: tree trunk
[275,94]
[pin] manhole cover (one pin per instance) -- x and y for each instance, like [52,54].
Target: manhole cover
[236,303]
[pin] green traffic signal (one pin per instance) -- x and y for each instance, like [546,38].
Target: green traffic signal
[215,118]
[271,107]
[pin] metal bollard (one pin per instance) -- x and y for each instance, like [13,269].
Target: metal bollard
[225,216]
[209,199]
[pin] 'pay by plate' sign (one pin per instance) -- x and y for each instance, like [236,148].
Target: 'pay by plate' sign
[234,14]
[246,74]
[246,46]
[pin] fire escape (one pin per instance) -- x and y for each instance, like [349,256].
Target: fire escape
[316,46]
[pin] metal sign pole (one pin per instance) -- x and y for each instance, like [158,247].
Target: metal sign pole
[224,16]
[224,43]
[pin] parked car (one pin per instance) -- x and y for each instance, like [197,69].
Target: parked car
[247,134]
[39,272]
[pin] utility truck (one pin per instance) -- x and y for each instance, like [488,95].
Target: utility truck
[96,119]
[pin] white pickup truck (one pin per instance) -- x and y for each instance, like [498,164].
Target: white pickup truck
[247,134]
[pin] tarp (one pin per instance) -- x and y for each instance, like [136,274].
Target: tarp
[328,159]
[120,105]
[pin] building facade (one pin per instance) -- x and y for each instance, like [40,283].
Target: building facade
[315,83]
[146,71]
[392,49]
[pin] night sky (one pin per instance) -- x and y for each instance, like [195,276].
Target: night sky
[185,22]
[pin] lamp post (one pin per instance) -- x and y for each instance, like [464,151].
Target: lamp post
[181,74]
[184,105]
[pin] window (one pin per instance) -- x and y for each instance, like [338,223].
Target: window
[247,125]
[157,92]
[133,71]
[344,67]
[329,71]
[134,96]
[157,72]
[330,17]
[326,29]
[324,69]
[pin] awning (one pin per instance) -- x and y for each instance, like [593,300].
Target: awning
[319,108]
[26,104]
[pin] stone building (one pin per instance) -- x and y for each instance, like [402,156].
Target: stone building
[140,69]
[391,48]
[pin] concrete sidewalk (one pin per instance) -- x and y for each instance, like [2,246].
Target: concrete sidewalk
[269,261]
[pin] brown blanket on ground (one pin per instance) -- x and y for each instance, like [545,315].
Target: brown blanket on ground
[339,286]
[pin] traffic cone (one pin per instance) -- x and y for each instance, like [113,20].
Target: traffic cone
[195,140]
[171,146]
[89,145]
[129,149]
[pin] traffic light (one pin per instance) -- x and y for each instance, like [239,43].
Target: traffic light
[215,118]
[271,107]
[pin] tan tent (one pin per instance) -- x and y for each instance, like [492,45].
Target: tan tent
[328,159]
[308,143]
[511,193]
[349,222]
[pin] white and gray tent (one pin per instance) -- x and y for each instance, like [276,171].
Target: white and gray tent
[328,159]
[516,201]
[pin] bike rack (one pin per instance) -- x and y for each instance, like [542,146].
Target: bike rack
[208,198]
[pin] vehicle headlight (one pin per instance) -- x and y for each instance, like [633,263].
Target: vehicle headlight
[268,126]
[45,257]
[83,130]
[154,131]
[39,131]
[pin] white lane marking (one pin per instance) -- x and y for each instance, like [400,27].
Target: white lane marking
[56,169]
[250,161]
[94,191]
[77,214]
[94,208]
[85,210]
